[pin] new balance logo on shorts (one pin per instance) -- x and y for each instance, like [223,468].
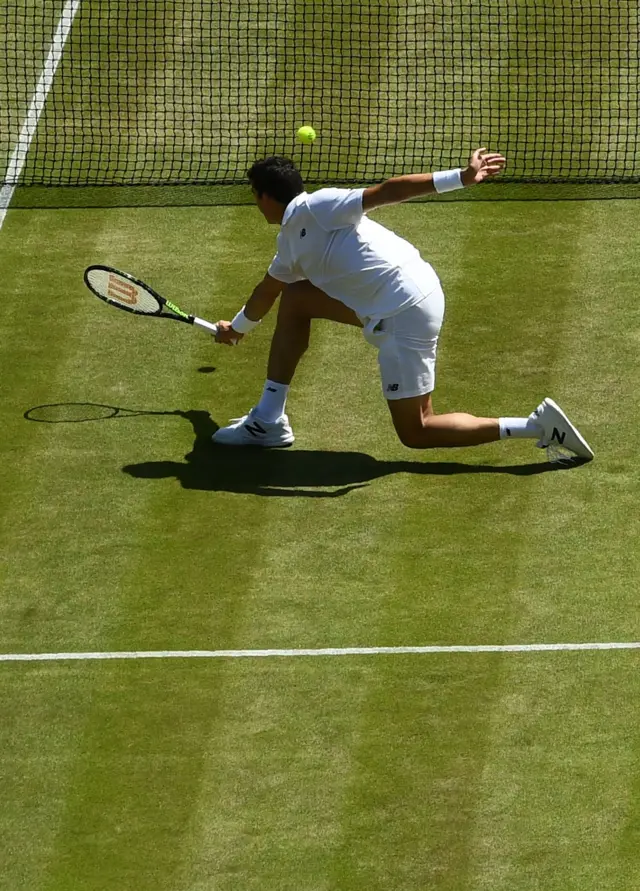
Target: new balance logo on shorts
[303,232]
[255,429]
[392,388]
[559,437]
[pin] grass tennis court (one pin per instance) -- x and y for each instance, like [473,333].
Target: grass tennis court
[452,772]
[483,771]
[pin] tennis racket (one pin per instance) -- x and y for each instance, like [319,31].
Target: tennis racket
[123,291]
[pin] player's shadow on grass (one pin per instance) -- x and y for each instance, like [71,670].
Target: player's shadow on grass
[293,472]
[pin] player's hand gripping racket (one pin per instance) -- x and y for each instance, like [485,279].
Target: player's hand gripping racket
[126,292]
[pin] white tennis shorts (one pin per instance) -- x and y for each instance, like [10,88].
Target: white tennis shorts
[407,345]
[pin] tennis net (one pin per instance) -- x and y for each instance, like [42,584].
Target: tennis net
[190,92]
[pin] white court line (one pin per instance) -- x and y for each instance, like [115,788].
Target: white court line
[19,156]
[327,651]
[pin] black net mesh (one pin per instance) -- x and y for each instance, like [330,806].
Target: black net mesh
[185,91]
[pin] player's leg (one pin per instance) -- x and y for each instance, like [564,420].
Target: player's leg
[267,424]
[299,304]
[407,346]
[418,427]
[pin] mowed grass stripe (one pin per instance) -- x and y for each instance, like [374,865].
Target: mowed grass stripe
[268,809]
[504,338]
[40,746]
[279,795]
[26,779]
[557,792]
[461,531]
[608,284]
[39,319]
[39,344]
[550,741]
[588,534]
[527,294]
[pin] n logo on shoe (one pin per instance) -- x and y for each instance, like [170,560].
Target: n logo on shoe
[255,429]
[559,437]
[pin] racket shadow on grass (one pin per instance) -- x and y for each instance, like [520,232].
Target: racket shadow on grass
[293,472]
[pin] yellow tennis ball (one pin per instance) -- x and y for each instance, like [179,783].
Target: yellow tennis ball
[306,135]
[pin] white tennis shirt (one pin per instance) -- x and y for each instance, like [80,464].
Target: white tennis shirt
[326,238]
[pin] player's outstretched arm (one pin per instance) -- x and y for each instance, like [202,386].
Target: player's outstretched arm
[482,165]
[257,306]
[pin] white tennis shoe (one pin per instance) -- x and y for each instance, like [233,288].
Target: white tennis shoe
[558,434]
[251,430]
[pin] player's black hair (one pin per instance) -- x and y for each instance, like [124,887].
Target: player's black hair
[277,177]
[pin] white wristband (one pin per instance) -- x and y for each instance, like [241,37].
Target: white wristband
[242,324]
[448,180]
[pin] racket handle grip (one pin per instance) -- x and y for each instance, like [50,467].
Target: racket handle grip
[208,326]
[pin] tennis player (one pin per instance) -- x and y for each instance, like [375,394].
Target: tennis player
[333,262]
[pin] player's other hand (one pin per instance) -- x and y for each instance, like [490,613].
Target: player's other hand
[227,335]
[482,164]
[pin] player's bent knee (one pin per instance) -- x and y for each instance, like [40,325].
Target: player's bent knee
[410,418]
[408,440]
[415,438]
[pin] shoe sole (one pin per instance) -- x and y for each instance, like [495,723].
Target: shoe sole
[253,445]
[586,452]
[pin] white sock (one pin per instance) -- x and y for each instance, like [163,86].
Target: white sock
[519,428]
[272,401]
